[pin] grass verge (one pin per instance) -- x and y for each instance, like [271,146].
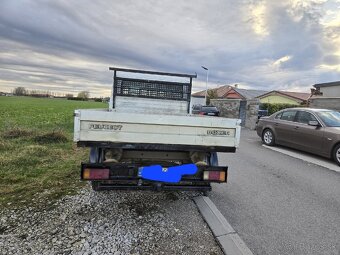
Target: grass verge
[38,160]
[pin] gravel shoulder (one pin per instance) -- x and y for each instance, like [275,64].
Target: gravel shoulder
[126,222]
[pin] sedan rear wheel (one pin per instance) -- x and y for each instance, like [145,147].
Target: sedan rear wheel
[336,154]
[268,137]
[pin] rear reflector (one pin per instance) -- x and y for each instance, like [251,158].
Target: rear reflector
[214,176]
[96,174]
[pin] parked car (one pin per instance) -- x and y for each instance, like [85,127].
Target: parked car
[205,110]
[260,114]
[313,130]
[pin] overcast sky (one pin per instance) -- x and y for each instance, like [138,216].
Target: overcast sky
[67,46]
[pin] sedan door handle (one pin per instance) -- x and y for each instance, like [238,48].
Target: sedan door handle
[276,124]
[296,127]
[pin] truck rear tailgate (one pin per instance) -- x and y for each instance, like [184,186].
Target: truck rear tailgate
[138,128]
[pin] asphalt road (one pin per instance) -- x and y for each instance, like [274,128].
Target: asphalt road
[279,204]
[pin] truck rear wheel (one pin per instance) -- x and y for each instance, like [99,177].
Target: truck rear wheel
[95,185]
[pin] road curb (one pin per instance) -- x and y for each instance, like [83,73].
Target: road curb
[226,236]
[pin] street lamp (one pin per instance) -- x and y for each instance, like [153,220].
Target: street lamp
[206,84]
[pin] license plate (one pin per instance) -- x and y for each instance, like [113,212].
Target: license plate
[165,174]
[211,113]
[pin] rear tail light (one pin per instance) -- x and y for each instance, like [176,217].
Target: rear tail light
[201,113]
[96,174]
[214,176]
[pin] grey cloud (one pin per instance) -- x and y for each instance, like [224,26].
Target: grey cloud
[177,36]
[301,39]
[332,60]
[305,58]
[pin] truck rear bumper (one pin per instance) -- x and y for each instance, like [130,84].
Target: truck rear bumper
[124,176]
[156,147]
[156,186]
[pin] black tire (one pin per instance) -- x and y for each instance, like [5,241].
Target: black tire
[95,185]
[336,154]
[268,137]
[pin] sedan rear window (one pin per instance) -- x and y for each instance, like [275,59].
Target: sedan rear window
[288,115]
[209,108]
[278,116]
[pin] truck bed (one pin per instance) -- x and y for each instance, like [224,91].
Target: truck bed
[190,131]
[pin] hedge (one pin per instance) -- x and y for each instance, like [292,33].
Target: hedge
[77,98]
[272,108]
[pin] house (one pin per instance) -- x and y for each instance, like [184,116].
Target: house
[220,91]
[284,97]
[199,97]
[234,102]
[231,92]
[326,95]
[244,94]
[329,89]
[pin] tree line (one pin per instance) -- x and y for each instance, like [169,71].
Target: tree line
[22,91]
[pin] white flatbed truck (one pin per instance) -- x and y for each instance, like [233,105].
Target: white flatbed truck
[148,124]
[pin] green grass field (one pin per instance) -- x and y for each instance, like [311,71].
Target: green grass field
[38,160]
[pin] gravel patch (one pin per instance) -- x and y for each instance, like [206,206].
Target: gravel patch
[109,222]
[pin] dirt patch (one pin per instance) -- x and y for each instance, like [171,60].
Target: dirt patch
[17,132]
[140,209]
[172,196]
[51,137]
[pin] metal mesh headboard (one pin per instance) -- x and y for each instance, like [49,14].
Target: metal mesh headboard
[157,89]
[151,89]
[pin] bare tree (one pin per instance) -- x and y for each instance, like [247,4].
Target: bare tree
[84,95]
[211,94]
[19,91]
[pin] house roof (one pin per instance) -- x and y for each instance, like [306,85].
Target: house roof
[296,95]
[199,94]
[222,92]
[250,93]
[328,84]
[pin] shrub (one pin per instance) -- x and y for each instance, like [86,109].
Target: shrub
[272,108]
[76,99]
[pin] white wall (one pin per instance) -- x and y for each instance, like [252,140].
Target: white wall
[150,105]
[322,102]
[332,91]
